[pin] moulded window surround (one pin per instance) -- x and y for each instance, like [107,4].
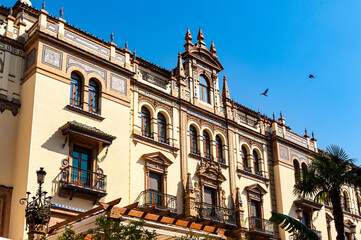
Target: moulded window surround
[193,140]
[204,91]
[94,97]
[219,150]
[345,202]
[207,145]
[162,129]
[1,66]
[76,87]
[358,205]
[245,159]
[146,124]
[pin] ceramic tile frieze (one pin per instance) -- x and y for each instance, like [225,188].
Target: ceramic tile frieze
[52,57]
[118,84]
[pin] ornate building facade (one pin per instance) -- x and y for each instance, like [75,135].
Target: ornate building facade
[107,124]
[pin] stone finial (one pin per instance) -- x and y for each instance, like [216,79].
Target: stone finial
[43,5]
[306,135]
[200,38]
[189,184]
[188,36]
[180,68]
[188,45]
[212,49]
[61,12]
[281,114]
[11,11]
[126,45]
[112,36]
[274,117]
[313,137]
[225,90]
[134,54]
[22,15]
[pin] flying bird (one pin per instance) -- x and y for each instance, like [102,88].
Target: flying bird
[265,93]
[311,76]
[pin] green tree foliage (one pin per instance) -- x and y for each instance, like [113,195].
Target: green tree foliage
[299,230]
[324,178]
[192,236]
[110,229]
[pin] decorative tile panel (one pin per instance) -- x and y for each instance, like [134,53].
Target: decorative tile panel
[52,27]
[284,152]
[154,80]
[52,57]
[119,58]
[206,118]
[118,84]
[299,155]
[30,59]
[88,68]
[296,138]
[86,43]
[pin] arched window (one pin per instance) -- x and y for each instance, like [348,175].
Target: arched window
[345,202]
[256,163]
[162,128]
[304,170]
[219,150]
[203,89]
[193,140]
[76,90]
[93,96]
[358,205]
[244,158]
[1,66]
[297,171]
[145,122]
[206,145]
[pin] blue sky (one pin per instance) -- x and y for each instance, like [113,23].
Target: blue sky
[261,44]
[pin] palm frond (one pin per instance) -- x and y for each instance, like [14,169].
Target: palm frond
[291,225]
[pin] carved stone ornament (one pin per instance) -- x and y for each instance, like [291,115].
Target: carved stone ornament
[211,172]
[155,104]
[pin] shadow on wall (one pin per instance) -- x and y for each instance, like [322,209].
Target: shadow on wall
[56,142]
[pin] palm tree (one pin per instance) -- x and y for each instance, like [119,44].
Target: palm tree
[324,178]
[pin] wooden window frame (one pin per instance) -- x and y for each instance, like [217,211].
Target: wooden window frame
[256,162]
[297,170]
[144,118]
[206,144]
[193,139]
[204,89]
[255,193]
[245,159]
[74,85]
[162,122]
[96,91]
[219,149]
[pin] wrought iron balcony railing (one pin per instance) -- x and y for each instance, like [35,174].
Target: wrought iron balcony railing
[71,177]
[208,156]
[161,201]
[76,102]
[195,151]
[93,109]
[147,134]
[215,213]
[163,140]
[261,225]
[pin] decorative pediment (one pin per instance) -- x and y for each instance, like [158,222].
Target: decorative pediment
[157,160]
[210,171]
[256,188]
[204,56]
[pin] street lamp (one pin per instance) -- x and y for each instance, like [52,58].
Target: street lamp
[37,211]
[299,213]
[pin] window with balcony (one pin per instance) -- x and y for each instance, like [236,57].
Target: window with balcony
[162,128]
[76,86]
[256,163]
[155,193]
[245,159]
[80,174]
[207,145]
[193,140]
[94,95]
[203,89]
[219,150]
[297,172]
[146,128]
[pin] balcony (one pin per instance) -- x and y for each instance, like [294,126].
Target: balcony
[157,200]
[147,134]
[195,152]
[75,180]
[261,226]
[215,213]
[208,156]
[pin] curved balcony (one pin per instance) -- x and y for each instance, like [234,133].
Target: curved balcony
[215,213]
[261,226]
[160,201]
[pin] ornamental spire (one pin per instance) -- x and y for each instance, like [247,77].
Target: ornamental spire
[112,36]
[180,69]
[200,38]
[189,184]
[212,49]
[188,39]
[61,12]
[238,197]
[225,91]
